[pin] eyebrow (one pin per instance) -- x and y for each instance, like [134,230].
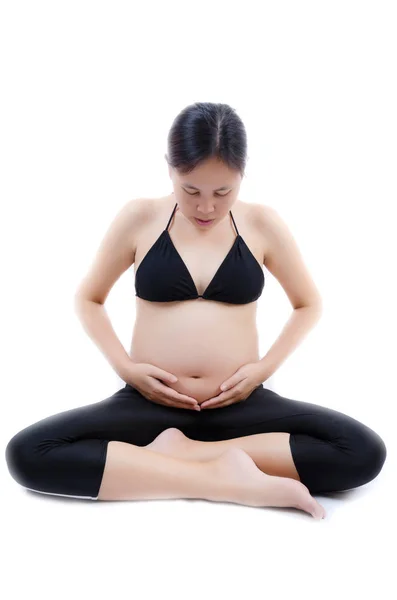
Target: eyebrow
[225,187]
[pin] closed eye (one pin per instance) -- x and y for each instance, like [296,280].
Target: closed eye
[216,194]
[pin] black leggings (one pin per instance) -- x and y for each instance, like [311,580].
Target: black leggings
[64,454]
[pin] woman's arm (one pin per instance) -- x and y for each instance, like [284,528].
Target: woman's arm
[97,325]
[114,256]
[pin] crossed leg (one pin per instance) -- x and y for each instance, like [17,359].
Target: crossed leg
[323,448]
[270,451]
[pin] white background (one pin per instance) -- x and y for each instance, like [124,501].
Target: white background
[88,93]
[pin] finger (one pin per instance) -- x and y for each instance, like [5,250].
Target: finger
[182,406]
[215,400]
[221,404]
[217,405]
[209,403]
[184,397]
[182,401]
[188,399]
[170,392]
[178,396]
[174,403]
[174,395]
[221,400]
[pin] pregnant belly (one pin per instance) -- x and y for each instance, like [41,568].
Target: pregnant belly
[201,356]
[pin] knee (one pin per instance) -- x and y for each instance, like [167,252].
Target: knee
[20,458]
[371,453]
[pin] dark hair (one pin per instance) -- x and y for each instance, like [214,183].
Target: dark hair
[204,130]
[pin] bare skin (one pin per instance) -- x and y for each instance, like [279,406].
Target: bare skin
[176,336]
[198,358]
[245,484]
[134,473]
[270,451]
[173,442]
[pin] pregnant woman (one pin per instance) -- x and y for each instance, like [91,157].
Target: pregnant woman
[171,431]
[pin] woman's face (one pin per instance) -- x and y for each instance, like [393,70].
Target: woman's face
[208,192]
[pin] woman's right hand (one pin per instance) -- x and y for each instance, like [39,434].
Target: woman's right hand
[145,378]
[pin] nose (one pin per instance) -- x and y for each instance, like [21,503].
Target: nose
[205,211]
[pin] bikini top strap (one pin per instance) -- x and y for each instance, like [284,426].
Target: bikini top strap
[172,214]
[234,222]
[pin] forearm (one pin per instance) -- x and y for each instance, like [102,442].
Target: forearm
[301,321]
[97,325]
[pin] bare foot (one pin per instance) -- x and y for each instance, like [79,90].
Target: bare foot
[241,478]
[171,442]
[241,481]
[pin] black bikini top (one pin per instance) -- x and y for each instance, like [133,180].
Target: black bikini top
[162,275]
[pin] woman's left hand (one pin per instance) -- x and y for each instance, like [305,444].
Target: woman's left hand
[238,387]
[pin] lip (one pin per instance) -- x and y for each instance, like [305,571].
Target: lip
[204,221]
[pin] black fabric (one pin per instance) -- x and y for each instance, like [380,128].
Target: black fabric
[162,275]
[65,453]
